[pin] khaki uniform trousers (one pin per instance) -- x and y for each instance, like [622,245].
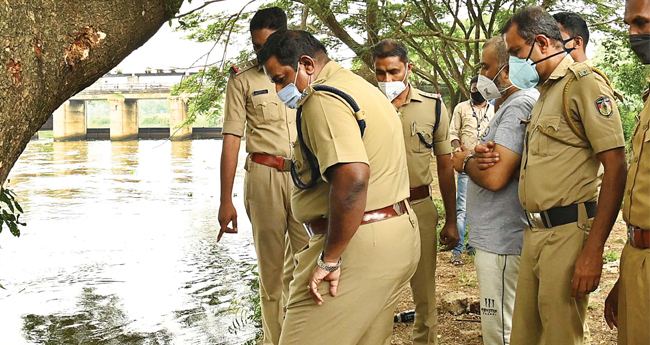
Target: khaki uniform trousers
[545,313]
[423,283]
[377,264]
[267,198]
[634,297]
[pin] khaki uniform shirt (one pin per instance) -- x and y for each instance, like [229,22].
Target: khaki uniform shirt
[636,206]
[558,168]
[253,108]
[331,132]
[418,116]
[469,122]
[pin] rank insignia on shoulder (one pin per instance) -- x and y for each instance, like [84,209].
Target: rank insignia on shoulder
[604,105]
[430,95]
[584,72]
[243,67]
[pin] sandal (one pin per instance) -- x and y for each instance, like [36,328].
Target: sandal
[457,259]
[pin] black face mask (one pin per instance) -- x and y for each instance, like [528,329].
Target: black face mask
[641,47]
[477,97]
[564,43]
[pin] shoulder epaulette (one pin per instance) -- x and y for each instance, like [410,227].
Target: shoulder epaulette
[581,69]
[243,67]
[430,95]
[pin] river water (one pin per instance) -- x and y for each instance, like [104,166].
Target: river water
[120,247]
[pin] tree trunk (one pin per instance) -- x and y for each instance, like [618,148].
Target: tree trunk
[52,49]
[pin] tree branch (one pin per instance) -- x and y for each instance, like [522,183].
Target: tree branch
[437,34]
[196,9]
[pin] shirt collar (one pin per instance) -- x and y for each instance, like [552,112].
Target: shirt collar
[562,69]
[328,70]
[413,95]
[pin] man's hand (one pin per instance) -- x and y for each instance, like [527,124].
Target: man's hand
[611,307]
[227,214]
[318,275]
[586,276]
[459,158]
[449,236]
[485,155]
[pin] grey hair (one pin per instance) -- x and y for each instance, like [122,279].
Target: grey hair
[500,49]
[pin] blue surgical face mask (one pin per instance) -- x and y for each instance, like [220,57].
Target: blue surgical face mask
[290,95]
[523,73]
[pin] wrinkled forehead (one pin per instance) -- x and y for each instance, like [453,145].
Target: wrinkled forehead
[389,63]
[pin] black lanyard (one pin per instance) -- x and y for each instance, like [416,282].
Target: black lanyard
[478,123]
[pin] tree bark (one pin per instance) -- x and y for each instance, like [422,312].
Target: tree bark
[52,49]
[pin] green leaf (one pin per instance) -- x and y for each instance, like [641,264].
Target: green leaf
[4,198]
[14,229]
[20,209]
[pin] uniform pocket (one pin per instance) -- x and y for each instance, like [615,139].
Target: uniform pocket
[267,107]
[419,135]
[542,143]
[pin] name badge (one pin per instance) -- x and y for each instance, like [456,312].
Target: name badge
[260,92]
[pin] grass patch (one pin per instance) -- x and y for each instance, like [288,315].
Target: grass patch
[611,256]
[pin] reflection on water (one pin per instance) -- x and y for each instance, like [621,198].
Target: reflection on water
[120,247]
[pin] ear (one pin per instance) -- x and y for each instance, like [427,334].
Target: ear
[579,42]
[309,63]
[543,42]
[506,72]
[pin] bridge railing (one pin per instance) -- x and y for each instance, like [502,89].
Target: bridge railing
[129,87]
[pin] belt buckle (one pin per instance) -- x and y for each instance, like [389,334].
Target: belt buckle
[630,235]
[535,220]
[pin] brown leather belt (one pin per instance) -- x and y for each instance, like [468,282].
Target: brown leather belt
[420,192]
[278,163]
[639,238]
[319,226]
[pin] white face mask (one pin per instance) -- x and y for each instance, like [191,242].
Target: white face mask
[488,88]
[392,89]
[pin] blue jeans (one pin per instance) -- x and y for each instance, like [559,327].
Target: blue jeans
[461,214]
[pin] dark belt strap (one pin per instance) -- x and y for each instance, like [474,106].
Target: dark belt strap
[278,163]
[565,215]
[319,226]
[639,238]
[420,192]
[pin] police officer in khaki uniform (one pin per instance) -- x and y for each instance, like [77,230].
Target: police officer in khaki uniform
[628,304]
[351,190]
[425,125]
[254,109]
[574,127]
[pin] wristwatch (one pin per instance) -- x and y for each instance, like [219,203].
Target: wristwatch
[470,156]
[327,267]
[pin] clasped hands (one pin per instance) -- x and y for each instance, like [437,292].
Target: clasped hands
[485,156]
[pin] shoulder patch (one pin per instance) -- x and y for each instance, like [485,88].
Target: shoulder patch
[243,67]
[604,105]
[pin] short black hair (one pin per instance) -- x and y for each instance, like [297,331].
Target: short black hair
[532,21]
[272,18]
[573,24]
[388,48]
[289,45]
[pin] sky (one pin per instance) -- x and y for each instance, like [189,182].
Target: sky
[168,49]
